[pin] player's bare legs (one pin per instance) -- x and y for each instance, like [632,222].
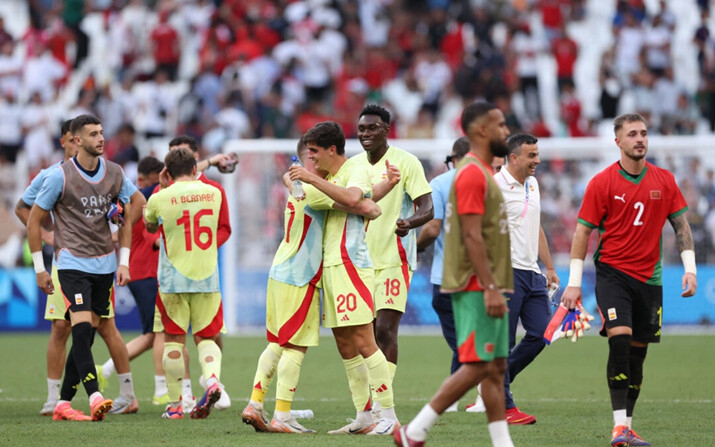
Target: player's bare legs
[387,323]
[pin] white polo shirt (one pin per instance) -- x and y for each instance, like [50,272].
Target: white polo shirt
[523,209]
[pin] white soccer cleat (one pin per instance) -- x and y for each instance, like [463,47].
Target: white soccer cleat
[477,407]
[385,427]
[289,426]
[353,428]
[188,403]
[48,408]
[123,406]
[453,408]
[224,401]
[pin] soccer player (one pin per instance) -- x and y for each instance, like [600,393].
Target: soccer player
[347,278]
[477,270]
[188,213]
[222,235]
[433,231]
[293,302]
[392,244]
[530,301]
[79,194]
[629,202]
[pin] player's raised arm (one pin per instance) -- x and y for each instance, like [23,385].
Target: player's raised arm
[579,247]
[686,248]
[380,190]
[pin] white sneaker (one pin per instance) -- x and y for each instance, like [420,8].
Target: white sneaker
[452,408]
[289,426]
[385,427]
[188,403]
[48,408]
[353,428]
[477,407]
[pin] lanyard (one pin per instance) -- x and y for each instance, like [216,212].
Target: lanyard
[526,200]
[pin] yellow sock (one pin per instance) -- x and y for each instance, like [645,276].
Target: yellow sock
[393,370]
[210,359]
[288,375]
[266,369]
[358,382]
[173,370]
[380,382]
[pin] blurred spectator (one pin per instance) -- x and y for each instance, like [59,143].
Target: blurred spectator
[165,46]
[42,73]
[701,39]
[571,111]
[526,47]
[73,12]
[565,51]
[120,148]
[610,84]
[10,127]
[665,107]
[685,119]
[10,68]
[657,46]
[38,127]
[4,35]
[552,16]
[629,42]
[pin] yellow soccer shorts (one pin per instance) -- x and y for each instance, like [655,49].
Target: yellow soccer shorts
[56,306]
[292,314]
[347,296]
[203,311]
[391,287]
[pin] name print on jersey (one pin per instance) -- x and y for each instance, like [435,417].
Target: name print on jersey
[193,198]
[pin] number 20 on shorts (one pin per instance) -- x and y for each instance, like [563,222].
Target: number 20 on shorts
[346,302]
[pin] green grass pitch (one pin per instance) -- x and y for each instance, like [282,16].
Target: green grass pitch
[565,388]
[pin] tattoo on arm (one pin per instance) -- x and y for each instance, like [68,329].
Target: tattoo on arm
[683,236]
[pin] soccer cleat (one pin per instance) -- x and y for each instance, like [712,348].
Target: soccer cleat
[620,436]
[385,426]
[48,408]
[257,418]
[453,408]
[101,380]
[173,412]
[123,406]
[99,407]
[635,440]
[65,412]
[402,440]
[224,402]
[289,426]
[353,428]
[204,406]
[160,400]
[477,406]
[188,403]
[514,416]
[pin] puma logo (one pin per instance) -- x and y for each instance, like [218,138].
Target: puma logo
[621,198]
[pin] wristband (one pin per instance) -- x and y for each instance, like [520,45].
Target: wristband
[38,261]
[575,272]
[124,256]
[688,257]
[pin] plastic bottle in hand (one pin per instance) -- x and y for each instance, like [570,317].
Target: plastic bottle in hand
[297,189]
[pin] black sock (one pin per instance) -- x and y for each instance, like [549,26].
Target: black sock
[636,360]
[70,383]
[618,371]
[82,353]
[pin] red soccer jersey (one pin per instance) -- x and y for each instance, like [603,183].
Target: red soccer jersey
[144,258]
[224,224]
[629,214]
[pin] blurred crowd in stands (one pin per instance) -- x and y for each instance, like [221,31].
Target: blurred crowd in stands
[227,69]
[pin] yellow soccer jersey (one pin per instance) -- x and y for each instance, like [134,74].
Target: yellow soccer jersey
[188,258]
[300,254]
[386,248]
[344,238]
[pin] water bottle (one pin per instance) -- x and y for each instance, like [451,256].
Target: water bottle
[302,414]
[297,190]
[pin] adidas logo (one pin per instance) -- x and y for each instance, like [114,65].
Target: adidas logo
[382,389]
[345,318]
[89,377]
[389,301]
